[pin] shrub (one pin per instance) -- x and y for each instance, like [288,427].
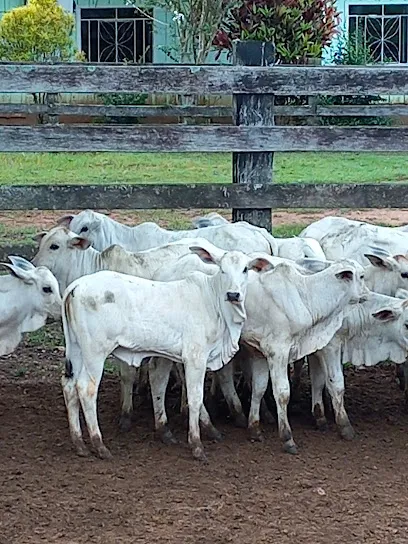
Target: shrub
[39,31]
[123,99]
[300,29]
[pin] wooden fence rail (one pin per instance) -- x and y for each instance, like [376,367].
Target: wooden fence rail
[202,195]
[97,110]
[252,140]
[223,80]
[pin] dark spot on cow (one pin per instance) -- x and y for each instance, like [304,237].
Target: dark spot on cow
[90,302]
[69,373]
[109,297]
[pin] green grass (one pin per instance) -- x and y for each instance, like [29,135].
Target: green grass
[103,168]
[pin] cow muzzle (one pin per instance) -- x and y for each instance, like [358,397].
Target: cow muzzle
[233,297]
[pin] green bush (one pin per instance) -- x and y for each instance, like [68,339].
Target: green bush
[123,99]
[300,29]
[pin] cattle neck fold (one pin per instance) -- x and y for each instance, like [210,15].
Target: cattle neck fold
[230,320]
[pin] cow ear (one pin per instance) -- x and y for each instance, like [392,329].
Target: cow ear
[38,237]
[65,220]
[207,256]
[345,275]
[400,258]
[79,243]
[19,273]
[386,315]
[260,265]
[378,262]
[21,262]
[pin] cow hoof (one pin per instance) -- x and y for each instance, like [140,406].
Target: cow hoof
[167,438]
[240,421]
[104,453]
[321,425]
[82,450]
[215,435]
[199,455]
[347,433]
[290,447]
[125,423]
[255,435]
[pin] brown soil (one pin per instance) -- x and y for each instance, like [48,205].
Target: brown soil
[47,219]
[332,492]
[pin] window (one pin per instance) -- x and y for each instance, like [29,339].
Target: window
[117,35]
[384,28]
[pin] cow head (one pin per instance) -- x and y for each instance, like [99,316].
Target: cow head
[232,277]
[44,294]
[87,224]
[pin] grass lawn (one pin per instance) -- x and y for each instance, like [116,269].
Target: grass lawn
[32,168]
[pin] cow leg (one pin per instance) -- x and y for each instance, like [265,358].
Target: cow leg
[207,425]
[71,399]
[73,366]
[143,381]
[127,379]
[226,380]
[296,379]
[400,375]
[184,398]
[278,368]
[318,381]
[335,386]
[195,369]
[87,386]
[266,414]
[159,373]
[259,384]
[405,381]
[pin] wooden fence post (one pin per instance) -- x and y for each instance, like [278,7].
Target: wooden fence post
[51,100]
[253,110]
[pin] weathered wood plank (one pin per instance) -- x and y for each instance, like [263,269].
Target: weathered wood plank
[178,79]
[215,138]
[386,110]
[253,110]
[181,196]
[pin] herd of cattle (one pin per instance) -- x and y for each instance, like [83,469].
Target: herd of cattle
[214,298]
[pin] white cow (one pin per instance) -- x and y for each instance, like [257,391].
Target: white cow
[382,272]
[343,238]
[290,314]
[196,321]
[102,232]
[27,297]
[289,248]
[372,332]
[70,256]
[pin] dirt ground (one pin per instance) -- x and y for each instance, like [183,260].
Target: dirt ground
[331,492]
[47,219]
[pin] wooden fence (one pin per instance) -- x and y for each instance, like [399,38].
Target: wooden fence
[252,138]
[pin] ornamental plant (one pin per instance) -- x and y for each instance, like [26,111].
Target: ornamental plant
[39,31]
[300,29]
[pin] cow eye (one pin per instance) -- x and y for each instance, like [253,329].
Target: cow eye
[245,270]
[404,275]
[54,247]
[84,229]
[47,289]
[362,277]
[406,326]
